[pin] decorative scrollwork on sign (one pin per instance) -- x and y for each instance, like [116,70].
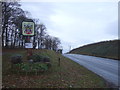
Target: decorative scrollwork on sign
[28,28]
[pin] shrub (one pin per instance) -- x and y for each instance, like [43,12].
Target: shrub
[36,58]
[16,59]
[46,59]
[39,58]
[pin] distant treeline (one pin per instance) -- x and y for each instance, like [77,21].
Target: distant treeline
[12,18]
[106,49]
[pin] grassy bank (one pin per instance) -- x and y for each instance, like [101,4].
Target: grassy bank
[106,49]
[68,75]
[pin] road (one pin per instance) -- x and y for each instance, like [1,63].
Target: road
[106,68]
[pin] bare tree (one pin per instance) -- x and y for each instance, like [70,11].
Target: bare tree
[55,43]
[51,43]
[7,11]
[12,18]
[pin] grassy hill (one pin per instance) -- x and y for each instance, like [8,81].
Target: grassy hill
[68,75]
[107,49]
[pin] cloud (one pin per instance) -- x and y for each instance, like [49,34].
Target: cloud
[112,28]
[69,0]
[77,24]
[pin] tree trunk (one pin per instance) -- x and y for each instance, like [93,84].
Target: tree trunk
[6,39]
[14,40]
[11,38]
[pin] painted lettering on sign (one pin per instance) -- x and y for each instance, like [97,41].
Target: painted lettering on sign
[28,45]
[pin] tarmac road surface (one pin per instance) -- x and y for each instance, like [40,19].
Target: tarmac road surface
[106,68]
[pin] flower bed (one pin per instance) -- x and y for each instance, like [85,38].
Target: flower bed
[36,64]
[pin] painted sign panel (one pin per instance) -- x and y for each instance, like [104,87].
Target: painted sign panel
[28,45]
[28,28]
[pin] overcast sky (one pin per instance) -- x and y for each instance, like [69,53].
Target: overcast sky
[77,23]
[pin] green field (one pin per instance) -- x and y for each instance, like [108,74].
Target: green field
[106,49]
[68,75]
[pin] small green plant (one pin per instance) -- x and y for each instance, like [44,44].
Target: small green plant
[25,67]
[28,67]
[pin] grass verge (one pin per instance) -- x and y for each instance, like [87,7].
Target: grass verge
[105,49]
[68,75]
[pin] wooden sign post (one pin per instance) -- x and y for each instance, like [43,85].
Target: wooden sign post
[28,32]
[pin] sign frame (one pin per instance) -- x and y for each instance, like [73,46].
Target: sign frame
[28,32]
